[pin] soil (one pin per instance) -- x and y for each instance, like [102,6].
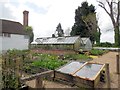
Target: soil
[109,58]
[56,52]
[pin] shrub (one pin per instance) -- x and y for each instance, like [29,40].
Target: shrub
[106,44]
[97,52]
[76,56]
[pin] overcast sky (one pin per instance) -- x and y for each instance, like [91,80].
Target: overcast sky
[44,15]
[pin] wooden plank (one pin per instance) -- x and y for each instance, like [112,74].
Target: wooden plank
[79,68]
[38,82]
[63,76]
[117,64]
[96,80]
[83,82]
[43,74]
[98,72]
[107,75]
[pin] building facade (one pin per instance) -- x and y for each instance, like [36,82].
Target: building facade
[13,36]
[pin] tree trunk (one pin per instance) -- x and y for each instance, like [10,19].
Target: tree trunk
[117,36]
[115,20]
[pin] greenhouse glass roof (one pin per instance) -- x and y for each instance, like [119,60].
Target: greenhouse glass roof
[57,40]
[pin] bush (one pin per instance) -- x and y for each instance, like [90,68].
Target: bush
[97,52]
[76,56]
[106,44]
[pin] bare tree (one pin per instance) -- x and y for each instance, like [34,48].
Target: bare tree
[113,11]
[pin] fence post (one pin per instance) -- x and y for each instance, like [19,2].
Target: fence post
[117,64]
[107,75]
[39,83]
[53,75]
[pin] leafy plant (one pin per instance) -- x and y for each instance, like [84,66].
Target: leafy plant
[97,52]
[76,56]
[12,62]
[49,63]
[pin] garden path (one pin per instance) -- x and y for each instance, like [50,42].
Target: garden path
[110,58]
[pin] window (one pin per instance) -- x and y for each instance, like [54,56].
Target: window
[6,34]
[1,34]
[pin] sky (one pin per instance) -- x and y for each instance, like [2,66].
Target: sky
[45,15]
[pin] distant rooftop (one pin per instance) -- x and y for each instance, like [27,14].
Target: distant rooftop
[12,27]
[57,40]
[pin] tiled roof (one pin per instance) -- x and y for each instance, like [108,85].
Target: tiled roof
[12,27]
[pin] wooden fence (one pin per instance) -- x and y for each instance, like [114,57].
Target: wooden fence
[38,78]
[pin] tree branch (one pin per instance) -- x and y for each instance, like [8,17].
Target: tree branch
[110,4]
[118,16]
[103,6]
[115,3]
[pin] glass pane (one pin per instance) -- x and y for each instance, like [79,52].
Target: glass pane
[71,67]
[89,70]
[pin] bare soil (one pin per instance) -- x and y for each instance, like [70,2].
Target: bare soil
[56,52]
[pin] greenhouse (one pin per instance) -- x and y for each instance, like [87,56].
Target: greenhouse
[63,43]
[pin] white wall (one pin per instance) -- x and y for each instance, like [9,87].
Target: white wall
[14,42]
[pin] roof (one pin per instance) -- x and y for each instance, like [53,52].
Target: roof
[85,40]
[57,40]
[12,27]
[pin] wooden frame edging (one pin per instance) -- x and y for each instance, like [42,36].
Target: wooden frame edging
[43,74]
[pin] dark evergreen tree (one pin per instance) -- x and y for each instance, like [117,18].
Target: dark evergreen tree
[59,30]
[85,22]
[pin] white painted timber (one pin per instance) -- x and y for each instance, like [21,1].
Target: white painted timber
[16,41]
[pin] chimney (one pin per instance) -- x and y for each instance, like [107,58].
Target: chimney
[25,18]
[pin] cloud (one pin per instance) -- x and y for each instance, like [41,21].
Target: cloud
[44,15]
[5,12]
[107,37]
[35,8]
